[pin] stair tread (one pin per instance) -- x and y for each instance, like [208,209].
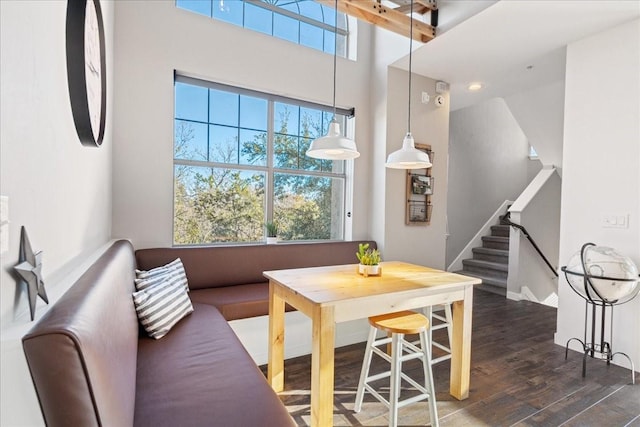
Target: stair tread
[493,289]
[487,280]
[491,251]
[487,264]
[496,238]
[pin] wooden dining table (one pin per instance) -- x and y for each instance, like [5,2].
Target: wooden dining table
[335,294]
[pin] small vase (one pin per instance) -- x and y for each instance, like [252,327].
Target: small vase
[272,240]
[369,270]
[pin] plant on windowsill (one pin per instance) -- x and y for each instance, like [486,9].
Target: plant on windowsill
[369,261]
[272,232]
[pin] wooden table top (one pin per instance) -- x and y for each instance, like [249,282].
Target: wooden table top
[334,284]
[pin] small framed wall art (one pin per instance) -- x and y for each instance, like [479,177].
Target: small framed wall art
[419,190]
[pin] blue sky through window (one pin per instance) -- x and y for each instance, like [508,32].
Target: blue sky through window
[304,22]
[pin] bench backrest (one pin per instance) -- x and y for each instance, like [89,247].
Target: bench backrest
[215,266]
[82,353]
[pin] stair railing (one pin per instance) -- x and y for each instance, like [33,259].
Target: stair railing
[506,220]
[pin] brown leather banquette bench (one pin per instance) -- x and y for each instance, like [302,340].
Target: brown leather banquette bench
[93,365]
[230,277]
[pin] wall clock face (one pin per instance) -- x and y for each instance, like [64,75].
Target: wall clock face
[86,69]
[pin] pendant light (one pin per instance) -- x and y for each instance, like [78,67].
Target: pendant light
[409,157]
[333,146]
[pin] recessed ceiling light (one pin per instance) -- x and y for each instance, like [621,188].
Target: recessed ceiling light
[475,86]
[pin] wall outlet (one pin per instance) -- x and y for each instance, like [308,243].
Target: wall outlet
[425,98]
[615,221]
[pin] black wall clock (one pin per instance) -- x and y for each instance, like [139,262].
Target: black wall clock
[86,69]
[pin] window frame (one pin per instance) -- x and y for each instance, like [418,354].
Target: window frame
[269,169]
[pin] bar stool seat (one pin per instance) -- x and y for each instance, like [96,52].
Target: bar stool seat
[397,325]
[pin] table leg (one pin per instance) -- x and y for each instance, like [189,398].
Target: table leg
[461,346]
[275,369]
[322,359]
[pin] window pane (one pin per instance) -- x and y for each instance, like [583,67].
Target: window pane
[257,18]
[191,102]
[285,28]
[289,5]
[224,107]
[329,15]
[310,123]
[311,9]
[311,36]
[329,41]
[217,205]
[228,10]
[253,113]
[223,147]
[202,7]
[247,14]
[308,163]
[190,141]
[308,207]
[254,147]
[285,151]
[286,118]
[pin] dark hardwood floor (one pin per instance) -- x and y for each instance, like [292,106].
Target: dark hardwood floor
[519,377]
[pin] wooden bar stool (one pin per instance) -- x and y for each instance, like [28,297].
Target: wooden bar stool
[398,325]
[433,312]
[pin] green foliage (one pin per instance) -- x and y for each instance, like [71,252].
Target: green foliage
[272,229]
[367,256]
[219,204]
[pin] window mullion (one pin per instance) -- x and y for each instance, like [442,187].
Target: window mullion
[270,155]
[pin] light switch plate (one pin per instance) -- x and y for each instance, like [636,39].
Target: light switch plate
[615,221]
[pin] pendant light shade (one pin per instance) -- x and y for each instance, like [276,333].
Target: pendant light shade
[333,146]
[408,157]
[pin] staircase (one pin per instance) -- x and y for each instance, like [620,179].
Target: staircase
[491,261]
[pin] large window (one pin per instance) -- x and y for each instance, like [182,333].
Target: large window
[239,162]
[304,22]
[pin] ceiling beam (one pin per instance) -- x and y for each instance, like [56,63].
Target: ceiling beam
[388,18]
[419,6]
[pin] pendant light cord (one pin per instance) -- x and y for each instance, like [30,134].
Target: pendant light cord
[410,54]
[335,57]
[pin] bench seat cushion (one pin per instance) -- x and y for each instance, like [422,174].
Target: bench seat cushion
[237,302]
[200,375]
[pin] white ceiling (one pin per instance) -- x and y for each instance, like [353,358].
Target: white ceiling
[494,42]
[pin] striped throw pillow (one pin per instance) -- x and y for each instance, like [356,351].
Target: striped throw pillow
[174,271]
[161,306]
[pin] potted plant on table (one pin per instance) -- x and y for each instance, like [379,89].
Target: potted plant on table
[272,232]
[369,260]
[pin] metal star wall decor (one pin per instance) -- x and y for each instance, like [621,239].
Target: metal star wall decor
[29,268]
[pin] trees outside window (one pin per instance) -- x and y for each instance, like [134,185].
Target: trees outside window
[239,162]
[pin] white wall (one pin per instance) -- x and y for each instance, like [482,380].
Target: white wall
[58,189]
[540,114]
[424,245]
[601,168]
[152,39]
[488,164]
